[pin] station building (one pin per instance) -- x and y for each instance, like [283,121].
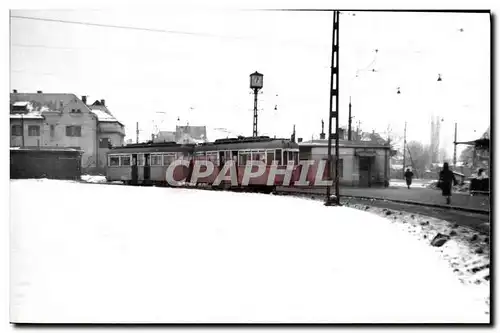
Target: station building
[362,163]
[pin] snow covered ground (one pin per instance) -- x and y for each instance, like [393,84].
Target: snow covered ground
[467,252]
[416,183]
[93,179]
[94,253]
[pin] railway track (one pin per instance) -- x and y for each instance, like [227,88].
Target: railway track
[474,218]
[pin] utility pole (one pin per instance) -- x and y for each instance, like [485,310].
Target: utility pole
[22,130]
[137,132]
[404,152]
[349,136]
[334,114]
[455,148]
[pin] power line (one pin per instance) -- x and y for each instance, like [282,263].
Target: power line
[121,27]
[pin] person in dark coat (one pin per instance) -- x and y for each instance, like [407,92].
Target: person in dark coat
[446,181]
[408,177]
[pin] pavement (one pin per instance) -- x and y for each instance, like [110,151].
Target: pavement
[414,195]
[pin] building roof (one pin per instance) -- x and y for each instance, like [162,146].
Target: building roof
[47,102]
[103,116]
[344,144]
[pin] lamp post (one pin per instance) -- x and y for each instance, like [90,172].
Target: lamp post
[256,83]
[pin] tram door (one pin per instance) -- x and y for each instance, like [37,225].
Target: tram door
[134,174]
[147,168]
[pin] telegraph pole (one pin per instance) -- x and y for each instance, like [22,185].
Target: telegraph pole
[22,129]
[455,148]
[334,114]
[404,152]
[349,136]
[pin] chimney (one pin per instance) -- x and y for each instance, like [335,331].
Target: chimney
[322,136]
[84,100]
[39,92]
[103,102]
[299,140]
[14,91]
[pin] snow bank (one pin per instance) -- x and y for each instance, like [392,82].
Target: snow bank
[161,255]
[93,179]
[467,252]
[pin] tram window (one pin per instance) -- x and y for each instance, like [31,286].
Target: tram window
[213,157]
[114,161]
[243,157]
[125,160]
[296,157]
[227,155]
[156,159]
[278,156]
[285,158]
[259,155]
[168,159]
[140,159]
[270,157]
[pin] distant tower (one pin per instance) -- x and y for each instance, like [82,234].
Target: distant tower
[435,135]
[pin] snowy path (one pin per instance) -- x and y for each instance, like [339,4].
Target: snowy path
[103,253]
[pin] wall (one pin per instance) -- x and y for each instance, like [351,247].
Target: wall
[346,176]
[32,141]
[116,134]
[60,120]
[350,175]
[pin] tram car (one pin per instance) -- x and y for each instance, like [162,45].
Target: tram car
[146,164]
[242,150]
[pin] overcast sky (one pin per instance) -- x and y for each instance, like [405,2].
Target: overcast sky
[141,73]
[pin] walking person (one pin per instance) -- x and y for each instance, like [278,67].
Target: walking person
[408,177]
[446,181]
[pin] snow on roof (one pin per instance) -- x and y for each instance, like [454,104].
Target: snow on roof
[22,103]
[29,115]
[103,116]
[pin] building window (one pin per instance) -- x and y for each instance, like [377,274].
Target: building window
[73,131]
[33,130]
[17,130]
[52,131]
[104,143]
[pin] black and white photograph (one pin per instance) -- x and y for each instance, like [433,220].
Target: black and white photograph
[249,165]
